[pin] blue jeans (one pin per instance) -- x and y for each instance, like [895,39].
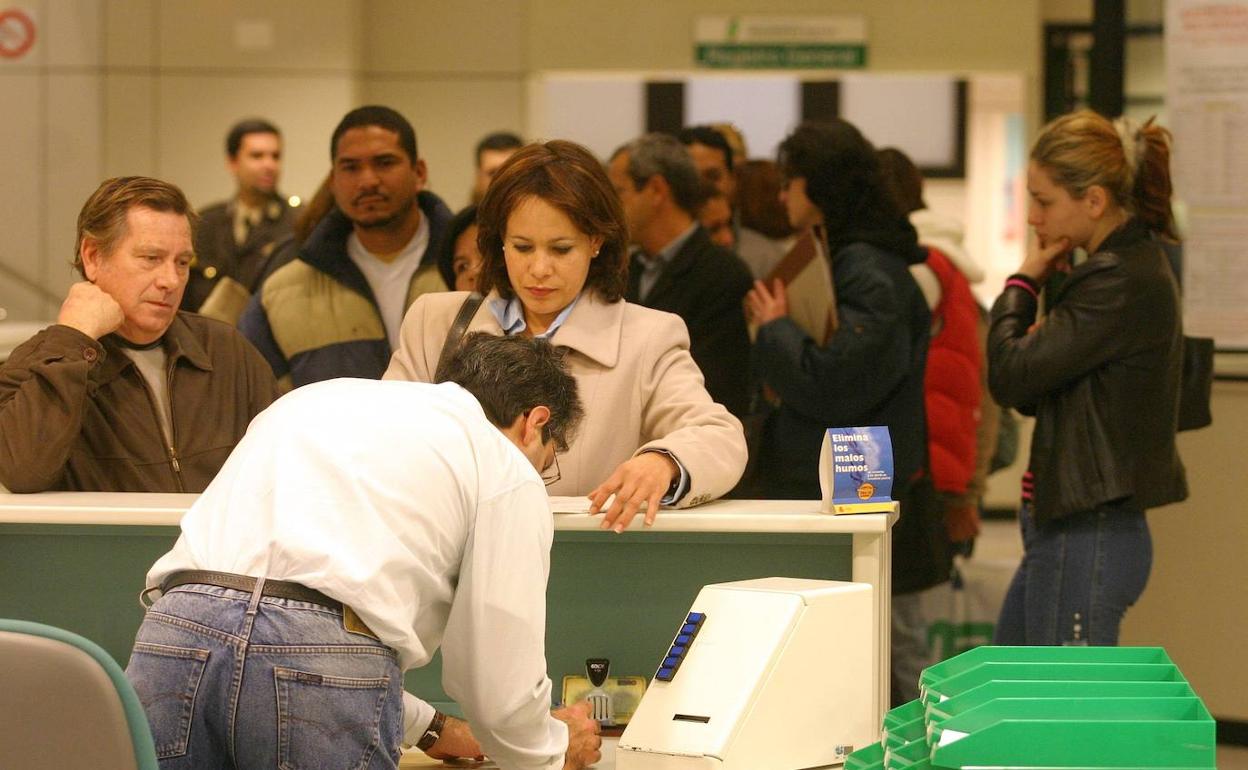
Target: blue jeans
[233,680]
[1078,576]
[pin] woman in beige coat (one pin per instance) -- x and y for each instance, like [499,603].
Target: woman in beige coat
[555,248]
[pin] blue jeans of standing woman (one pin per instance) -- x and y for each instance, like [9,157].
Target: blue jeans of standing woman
[1078,576]
[230,679]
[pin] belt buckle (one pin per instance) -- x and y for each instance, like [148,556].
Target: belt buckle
[353,624]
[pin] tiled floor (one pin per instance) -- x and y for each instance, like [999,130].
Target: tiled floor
[1232,757]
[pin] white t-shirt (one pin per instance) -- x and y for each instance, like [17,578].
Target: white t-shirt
[390,281]
[151,365]
[402,501]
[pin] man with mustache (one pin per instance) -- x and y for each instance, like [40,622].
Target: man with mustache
[236,243]
[124,393]
[336,310]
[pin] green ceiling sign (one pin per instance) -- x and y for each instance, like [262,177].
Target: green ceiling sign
[781,42]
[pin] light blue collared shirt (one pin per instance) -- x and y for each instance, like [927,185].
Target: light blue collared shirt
[510,316]
[653,266]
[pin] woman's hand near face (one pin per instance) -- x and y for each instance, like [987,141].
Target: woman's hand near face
[638,483]
[1049,258]
[762,305]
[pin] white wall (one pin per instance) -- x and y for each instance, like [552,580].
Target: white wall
[1195,604]
[151,86]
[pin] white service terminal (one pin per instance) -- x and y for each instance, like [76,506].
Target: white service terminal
[769,674]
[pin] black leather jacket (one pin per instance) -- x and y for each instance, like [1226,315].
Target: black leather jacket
[1101,375]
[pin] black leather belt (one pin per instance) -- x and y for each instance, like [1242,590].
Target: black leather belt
[278,589]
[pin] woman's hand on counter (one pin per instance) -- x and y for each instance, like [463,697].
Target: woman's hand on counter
[639,483]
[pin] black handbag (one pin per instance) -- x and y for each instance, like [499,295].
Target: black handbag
[456,333]
[1196,386]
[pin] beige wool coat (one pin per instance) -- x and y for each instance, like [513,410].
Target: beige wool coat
[639,385]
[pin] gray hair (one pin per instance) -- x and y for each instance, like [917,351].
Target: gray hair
[511,375]
[656,154]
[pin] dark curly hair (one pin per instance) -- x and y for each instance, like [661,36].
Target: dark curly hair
[843,179]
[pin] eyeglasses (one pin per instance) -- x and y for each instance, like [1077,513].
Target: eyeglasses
[551,474]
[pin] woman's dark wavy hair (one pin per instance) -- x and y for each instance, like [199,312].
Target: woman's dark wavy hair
[843,179]
[568,177]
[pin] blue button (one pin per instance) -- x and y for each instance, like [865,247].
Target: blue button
[665,674]
[684,639]
[671,662]
[688,628]
[696,617]
[677,651]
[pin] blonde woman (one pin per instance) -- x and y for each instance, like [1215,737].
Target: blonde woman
[1101,373]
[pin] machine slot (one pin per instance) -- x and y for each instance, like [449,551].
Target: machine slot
[690,718]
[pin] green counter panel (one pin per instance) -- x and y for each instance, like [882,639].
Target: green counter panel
[619,597]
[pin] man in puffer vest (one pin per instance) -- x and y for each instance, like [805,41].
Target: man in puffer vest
[336,310]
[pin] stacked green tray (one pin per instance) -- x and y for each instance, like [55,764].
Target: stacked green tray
[868,758]
[938,713]
[1048,708]
[914,755]
[1027,733]
[899,736]
[902,714]
[1051,672]
[959,664]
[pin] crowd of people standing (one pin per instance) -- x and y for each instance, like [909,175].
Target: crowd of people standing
[716,315]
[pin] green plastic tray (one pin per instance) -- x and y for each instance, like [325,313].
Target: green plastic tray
[900,735]
[867,758]
[1032,733]
[915,754]
[904,713]
[1072,654]
[937,713]
[1053,672]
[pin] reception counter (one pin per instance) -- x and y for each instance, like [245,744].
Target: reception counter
[77,561]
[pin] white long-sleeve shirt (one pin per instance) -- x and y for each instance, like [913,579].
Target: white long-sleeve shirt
[402,501]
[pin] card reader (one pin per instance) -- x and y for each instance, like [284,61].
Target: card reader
[769,674]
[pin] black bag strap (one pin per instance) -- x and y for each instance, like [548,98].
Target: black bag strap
[458,327]
[1196,385]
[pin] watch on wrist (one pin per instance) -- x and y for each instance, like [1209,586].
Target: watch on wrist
[432,732]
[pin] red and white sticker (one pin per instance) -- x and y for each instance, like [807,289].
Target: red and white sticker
[17,33]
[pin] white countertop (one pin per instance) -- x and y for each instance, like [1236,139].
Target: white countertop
[414,758]
[417,758]
[130,508]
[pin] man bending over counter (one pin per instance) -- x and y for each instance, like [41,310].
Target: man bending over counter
[358,526]
[124,393]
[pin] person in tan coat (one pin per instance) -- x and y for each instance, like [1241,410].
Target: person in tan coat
[554,241]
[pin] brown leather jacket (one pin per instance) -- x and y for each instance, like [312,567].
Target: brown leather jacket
[76,414]
[1101,374]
